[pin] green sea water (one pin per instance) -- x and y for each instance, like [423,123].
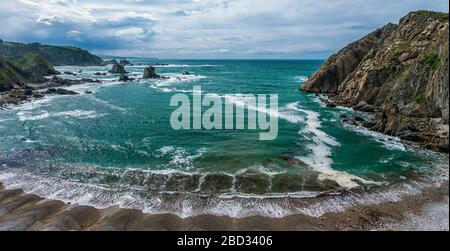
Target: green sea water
[113,144]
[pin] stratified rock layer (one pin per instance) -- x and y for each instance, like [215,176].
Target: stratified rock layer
[401,71]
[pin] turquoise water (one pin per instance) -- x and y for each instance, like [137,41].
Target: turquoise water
[115,146]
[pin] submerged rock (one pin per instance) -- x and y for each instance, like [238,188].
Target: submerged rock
[125,78]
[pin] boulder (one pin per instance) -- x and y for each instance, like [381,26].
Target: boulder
[444,146]
[150,72]
[359,119]
[60,91]
[37,95]
[28,92]
[331,105]
[125,78]
[364,107]
[89,80]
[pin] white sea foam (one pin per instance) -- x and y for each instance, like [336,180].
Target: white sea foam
[29,116]
[320,147]
[180,157]
[283,113]
[185,66]
[301,78]
[174,79]
[107,104]
[389,142]
[189,204]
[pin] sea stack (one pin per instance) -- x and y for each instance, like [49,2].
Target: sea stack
[150,72]
[118,68]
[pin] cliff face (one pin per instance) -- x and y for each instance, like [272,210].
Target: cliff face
[30,68]
[35,67]
[334,71]
[10,75]
[403,77]
[55,55]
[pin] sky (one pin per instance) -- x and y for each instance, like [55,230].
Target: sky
[227,29]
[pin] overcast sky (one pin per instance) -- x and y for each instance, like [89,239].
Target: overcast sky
[300,29]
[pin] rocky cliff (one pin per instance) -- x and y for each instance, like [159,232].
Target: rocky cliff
[29,68]
[10,75]
[55,55]
[400,72]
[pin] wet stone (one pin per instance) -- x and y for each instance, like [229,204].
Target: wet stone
[252,183]
[217,183]
[317,185]
[285,183]
[182,182]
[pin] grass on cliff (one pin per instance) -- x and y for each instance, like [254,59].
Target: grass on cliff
[440,16]
[420,99]
[431,59]
[30,61]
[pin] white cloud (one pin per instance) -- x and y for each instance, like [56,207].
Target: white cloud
[130,32]
[200,28]
[50,20]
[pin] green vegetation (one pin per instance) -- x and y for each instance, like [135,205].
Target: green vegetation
[9,75]
[440,16]
[55,55]
[333,57]
[431,59]
[30,61]
[73,48]
[420,99]
[403,47]
[9,44]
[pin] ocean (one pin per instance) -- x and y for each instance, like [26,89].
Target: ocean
[113,145]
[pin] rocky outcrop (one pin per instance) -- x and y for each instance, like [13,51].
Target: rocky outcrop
[340,65]
[112,61]
[30,68]
[150,72]
[125,78]
[125,62]
[402,77]
[118,69]
[10,75]
[60,91]
[35,67]
[55,55]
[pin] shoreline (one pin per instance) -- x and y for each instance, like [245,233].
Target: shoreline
[24,211]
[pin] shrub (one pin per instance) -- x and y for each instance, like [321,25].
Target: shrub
[431,59]
[420,99]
